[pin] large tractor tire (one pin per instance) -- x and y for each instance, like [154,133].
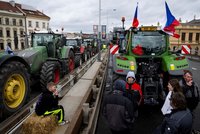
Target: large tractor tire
[88,55]
[84,57]
[78,60]
[14,87]
[71,62]
[51,71]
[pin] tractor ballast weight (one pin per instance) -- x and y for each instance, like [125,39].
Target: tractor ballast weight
[147,54]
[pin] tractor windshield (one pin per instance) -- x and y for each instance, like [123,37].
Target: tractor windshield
[148,43]
[71,42]
[41,39]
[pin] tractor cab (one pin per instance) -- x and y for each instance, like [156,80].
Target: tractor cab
[51,41]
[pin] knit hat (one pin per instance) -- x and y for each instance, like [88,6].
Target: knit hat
[130,74]
[120,85]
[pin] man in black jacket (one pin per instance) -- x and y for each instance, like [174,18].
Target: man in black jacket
[190,90]
[118,110]
[47,104]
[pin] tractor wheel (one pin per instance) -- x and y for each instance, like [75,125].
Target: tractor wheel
[78,60]
[15,88]
[51,71]
[71,62]
[84,57]
[88,55]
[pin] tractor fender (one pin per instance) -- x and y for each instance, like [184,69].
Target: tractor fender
[118,65]
[65,51]
[174,67]
[8,58]
[82,49]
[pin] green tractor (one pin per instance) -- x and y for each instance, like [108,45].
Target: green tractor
[48,59]
[147,54]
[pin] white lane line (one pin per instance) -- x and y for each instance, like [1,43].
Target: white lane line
[193,68]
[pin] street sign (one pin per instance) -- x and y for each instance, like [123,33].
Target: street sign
[185,49]
[114,49]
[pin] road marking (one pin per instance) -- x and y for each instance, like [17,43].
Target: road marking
[193,68]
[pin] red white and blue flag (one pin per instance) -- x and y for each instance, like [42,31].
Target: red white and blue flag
[135,22]
[171,23]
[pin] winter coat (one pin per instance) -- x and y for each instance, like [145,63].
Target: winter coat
[178,122]
[191,94]
[46,102]
[118,111]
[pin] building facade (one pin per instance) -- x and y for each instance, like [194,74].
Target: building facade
[12,26]
[189,35]
[17,22]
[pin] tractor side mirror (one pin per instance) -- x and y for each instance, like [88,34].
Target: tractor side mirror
[63,41]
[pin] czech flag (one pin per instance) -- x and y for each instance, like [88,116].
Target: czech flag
[171,23]
[135,22]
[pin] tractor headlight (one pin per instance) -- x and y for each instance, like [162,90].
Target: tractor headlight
[132,65]
[172,67]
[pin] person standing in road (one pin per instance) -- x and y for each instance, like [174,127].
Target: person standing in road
[47,104]
[179,120]
[173,86]
[190,90]
[118,110]
[134,91]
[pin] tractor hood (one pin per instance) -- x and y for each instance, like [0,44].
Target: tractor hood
[34,56]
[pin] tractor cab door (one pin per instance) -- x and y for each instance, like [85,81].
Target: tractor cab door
[51,49]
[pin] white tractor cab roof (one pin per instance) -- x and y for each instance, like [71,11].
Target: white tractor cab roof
[77,37]
[46,31]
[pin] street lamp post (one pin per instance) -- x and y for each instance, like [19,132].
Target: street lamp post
[109,25]
[99,29]
[123,19]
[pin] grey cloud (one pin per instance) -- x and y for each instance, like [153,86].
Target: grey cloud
[82,14]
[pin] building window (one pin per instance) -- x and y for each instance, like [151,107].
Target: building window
[22,45]
[0,21]
[190,37]
[7,21]
[29,24]
[14,22]
[1,33]
[2,46]
[197,37]
[183,37]
[15,33]
[47,25]
[21,33]
[8,33]
[37,24]
[43,24]
[20,22]
[16,45]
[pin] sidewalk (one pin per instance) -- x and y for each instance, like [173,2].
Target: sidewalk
[193,57]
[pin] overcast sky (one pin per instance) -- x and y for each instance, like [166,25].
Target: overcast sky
[77,15]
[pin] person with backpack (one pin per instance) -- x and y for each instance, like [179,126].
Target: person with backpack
[47,104]
[190,90]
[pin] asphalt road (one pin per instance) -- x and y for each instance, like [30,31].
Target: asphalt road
[150,117]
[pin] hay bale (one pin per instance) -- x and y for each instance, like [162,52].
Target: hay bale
[40,125]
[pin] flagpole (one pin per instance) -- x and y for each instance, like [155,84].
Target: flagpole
[99,29]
